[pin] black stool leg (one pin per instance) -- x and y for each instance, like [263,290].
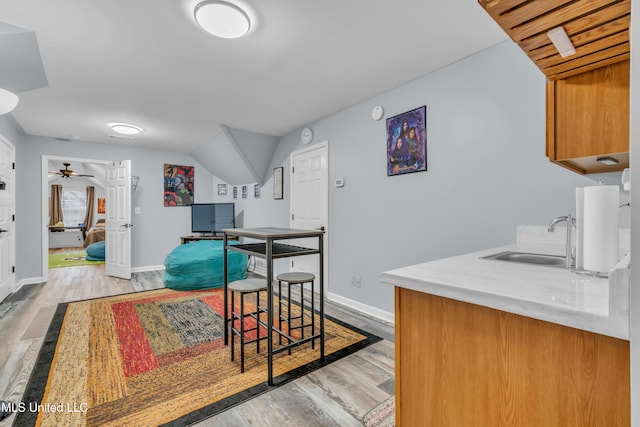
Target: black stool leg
[289,313]
[280,310]
[241,332]
[301,310]
[258,322]
[232,334]
[313,314]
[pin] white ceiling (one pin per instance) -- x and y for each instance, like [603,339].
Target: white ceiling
[147,63]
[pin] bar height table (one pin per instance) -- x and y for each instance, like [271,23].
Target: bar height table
[269,248]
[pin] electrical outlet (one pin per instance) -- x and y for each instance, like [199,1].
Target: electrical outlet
[356,281]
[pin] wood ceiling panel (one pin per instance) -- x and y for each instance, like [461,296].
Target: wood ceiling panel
[599,29]
[498,7]
[578,26]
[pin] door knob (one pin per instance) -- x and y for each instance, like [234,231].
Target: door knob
[127,225]
[3,231]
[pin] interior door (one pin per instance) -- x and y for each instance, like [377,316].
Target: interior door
[7,218]
[118,221]
[310,202]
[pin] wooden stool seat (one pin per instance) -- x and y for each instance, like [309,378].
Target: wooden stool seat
[244,287]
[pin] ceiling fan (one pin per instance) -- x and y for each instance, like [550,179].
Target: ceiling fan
[68,173]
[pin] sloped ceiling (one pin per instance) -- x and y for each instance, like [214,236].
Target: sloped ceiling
[237,156]
[21,67]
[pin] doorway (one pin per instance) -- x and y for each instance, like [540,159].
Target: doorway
[52,164]
[7,218]
[310,202]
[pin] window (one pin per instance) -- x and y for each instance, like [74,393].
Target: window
[74,206]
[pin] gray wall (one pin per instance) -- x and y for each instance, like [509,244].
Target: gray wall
[487,172]
[156,230]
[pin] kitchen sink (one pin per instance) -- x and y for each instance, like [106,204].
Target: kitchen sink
[529,258]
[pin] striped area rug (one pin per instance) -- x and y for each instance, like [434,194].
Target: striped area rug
[155,358]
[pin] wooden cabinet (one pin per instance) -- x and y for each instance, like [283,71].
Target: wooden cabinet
[588,92]
[460,364]
[588,118]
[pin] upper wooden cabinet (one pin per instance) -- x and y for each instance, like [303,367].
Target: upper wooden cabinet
[599,30]
[588,119]
[588,92]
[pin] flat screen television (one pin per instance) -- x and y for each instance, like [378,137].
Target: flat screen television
[212,217]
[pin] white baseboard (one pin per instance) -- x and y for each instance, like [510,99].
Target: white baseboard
[367,309]
[28,281]
[147,268]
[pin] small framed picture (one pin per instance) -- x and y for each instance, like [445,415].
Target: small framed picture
[245,191]
[278,182]
[256,191]
[235,192]
[222,189]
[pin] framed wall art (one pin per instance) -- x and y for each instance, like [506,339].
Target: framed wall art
[178,185]
[102,205]
[407,142]
[222,189]
[278,182]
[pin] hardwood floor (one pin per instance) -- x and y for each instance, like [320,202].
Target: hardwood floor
[339,394]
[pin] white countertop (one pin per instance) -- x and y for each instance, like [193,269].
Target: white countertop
[546,293]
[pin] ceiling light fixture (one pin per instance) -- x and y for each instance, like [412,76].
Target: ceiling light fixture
[222,19]
[125,128]
[8,101]
[561,41]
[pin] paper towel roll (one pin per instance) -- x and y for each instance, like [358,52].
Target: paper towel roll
[600,227]
[580,228]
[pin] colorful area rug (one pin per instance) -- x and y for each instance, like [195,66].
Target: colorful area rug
[383,415]
[71,259]
[156,358]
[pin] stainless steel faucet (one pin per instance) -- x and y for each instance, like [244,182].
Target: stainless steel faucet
[570,259]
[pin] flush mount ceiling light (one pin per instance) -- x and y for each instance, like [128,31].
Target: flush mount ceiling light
[125,128]
[222,19]
[560,40]
[8,101]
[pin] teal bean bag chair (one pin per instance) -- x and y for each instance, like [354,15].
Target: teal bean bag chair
[95,251]
[198,265]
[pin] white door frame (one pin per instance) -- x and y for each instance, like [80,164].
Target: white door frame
[320,145]
[45,203]
[9,286]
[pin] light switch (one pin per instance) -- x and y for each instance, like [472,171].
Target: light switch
[339,183]
[138,210]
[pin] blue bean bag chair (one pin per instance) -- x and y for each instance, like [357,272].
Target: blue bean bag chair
[198,265]
[95,251]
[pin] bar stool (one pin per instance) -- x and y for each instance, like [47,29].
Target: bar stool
[296,278]
[244,287]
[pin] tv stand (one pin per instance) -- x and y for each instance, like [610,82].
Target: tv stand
[188,239]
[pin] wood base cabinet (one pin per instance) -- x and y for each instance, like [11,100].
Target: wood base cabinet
[460,364]
[588,118]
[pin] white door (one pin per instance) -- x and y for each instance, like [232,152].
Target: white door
[310,202]
[118,221]
[7,218]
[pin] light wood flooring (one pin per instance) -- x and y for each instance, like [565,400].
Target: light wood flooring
[339,394]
